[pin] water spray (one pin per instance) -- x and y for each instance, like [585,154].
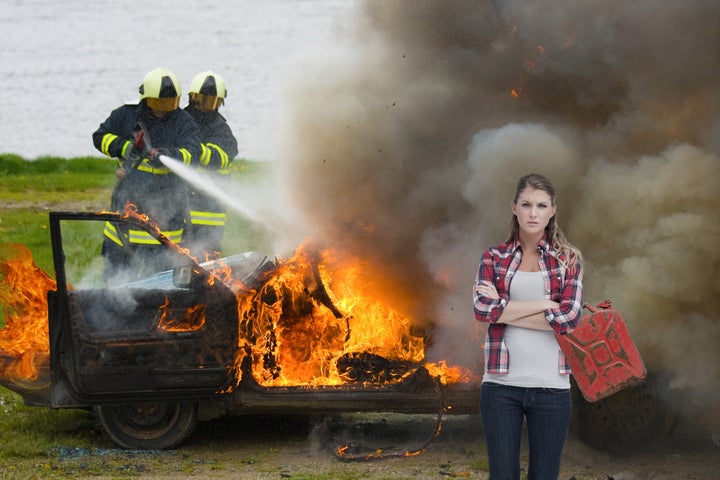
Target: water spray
[221,191]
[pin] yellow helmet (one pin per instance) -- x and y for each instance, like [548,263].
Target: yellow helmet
[161,90]
[207,91]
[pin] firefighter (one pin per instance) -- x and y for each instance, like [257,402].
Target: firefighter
[138,135]
[219,149]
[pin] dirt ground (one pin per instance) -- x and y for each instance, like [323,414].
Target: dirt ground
[292,447]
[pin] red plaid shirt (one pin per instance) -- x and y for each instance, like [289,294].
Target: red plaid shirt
[561,284]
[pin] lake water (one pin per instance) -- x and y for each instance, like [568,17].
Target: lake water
[67,63]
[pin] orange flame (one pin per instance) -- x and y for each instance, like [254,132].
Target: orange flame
[303,329]
[191,320]
[312,313]
[24,342]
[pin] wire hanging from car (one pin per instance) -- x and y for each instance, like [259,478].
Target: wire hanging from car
[344,454]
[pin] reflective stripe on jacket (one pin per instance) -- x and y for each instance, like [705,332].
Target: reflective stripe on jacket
[209,219]
[138,237]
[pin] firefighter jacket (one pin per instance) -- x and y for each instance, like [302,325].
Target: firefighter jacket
[219,149]
[151,187]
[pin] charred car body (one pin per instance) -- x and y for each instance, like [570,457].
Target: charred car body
[153,357]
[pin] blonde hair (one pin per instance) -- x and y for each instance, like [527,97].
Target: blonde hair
[568,254]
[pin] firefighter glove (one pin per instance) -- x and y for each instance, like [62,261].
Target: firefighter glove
[130,154]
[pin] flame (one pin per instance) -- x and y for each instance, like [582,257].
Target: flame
[316,310]
[312,321]
[450,374]
[343,452]
[190,320]
[24,342]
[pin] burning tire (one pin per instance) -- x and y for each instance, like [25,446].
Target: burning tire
[148,425]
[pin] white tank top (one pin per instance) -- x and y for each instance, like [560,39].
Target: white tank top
[534,354]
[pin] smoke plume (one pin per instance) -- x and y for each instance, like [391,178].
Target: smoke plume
[405,136]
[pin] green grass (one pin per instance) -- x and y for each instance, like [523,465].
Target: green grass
[480,464]
[30,190]
[27,432]
[49,180]
[30,228]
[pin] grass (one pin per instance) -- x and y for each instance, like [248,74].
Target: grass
[29,190]
[29,227]
[48,178]
[27,432]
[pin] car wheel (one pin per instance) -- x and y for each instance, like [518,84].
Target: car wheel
[148,425]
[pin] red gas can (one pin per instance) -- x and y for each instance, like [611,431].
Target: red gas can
[603,357]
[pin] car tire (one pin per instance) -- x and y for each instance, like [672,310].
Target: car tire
[148,426]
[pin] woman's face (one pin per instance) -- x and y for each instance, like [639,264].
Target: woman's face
[533,209]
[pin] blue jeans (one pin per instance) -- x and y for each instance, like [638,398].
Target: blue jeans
[547,412]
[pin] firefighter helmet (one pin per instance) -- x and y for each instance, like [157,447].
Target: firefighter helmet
[207,91]
[161,90]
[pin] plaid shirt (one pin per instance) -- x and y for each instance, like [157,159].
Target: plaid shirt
[562,285]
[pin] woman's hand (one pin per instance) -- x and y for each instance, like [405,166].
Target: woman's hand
[487,289]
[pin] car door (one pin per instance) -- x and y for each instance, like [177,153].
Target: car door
[149,339]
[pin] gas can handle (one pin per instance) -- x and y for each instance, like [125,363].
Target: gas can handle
[605,305]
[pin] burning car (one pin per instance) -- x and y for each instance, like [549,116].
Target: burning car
[245,334]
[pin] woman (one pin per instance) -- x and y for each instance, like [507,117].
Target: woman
[528,289]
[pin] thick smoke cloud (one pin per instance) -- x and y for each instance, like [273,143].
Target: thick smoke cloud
[406,133]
